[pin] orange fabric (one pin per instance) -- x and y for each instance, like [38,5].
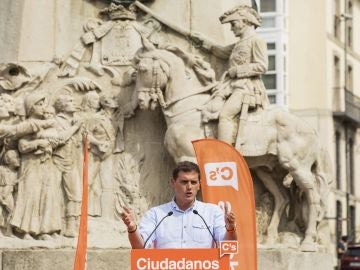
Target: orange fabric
[225,176]
[182,258]
[80,257]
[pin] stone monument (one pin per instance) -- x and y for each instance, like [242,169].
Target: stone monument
[142,86]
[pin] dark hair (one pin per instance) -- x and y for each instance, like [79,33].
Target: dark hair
[185,166]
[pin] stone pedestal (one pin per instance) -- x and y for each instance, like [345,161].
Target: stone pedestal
[115,259]
[287,259]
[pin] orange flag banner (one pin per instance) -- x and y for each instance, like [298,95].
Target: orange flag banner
[80,257]
[225,178]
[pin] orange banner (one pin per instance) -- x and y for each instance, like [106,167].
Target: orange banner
[81,250]
[176,259]
[225,177]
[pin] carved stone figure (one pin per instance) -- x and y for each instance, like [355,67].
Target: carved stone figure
[114,43]
[112,122]
[38,206]
[286,144]
[37,210]
[240,87]
[8,180]
[65,158]
[123,63]
[101,141]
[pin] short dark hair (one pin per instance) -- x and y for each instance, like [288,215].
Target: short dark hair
[185,166]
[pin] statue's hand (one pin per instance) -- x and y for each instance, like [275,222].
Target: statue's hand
[198,40]
[67,71]
[212,109]
[232,72]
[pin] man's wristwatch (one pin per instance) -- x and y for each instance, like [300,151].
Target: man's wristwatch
[133,230]
[232,229]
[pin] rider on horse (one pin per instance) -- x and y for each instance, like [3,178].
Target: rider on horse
[240,88]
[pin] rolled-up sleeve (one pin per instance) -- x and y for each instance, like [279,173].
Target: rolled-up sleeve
[219,224]
[147,225]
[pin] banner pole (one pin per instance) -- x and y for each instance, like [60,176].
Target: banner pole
[81,250]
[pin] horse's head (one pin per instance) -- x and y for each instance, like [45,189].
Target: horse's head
[151,79]
[160,77]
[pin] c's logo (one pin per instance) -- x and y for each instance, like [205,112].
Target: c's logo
[221,174]
[228,247]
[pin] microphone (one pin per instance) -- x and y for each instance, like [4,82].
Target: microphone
[168,215]
[207,227]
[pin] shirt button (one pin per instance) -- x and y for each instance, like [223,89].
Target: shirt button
[184,227]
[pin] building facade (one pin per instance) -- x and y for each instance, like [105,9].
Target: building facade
[314,72]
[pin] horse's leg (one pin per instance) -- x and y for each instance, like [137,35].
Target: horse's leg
[306,181]
[280,202]
[178,142]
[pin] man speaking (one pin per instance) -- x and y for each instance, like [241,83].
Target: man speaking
[184,222]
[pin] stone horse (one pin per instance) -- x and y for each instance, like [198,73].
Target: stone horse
[275,140]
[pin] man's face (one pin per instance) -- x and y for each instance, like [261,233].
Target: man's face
[185,186]
[238,27]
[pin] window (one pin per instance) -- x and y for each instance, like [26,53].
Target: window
[271,46]
[267,5]
[352,225]
[272,99]
[336,20]
[336,72]
[338,160]
[269,78]
[269,81]
[351,166]
[338,220]
[349,78]
[268,13]
[349,24]
[268,22]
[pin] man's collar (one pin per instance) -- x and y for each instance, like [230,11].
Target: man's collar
[174,206]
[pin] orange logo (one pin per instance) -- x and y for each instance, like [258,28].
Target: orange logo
[221,174]
[228,247]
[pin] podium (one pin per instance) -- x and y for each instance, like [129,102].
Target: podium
[176,259]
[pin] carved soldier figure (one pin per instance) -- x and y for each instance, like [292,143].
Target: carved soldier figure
[241,87]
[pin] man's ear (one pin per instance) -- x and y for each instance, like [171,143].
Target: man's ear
[172,182]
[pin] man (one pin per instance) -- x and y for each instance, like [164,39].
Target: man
[341,248]
[240,88]
[183,228]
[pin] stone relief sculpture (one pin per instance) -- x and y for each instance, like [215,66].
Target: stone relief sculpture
[240,88]
[41,128]
[284,138]
[114,42]
[38,206]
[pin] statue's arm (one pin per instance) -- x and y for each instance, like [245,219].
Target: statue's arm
[210,46]
[222,52]
[27,146]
